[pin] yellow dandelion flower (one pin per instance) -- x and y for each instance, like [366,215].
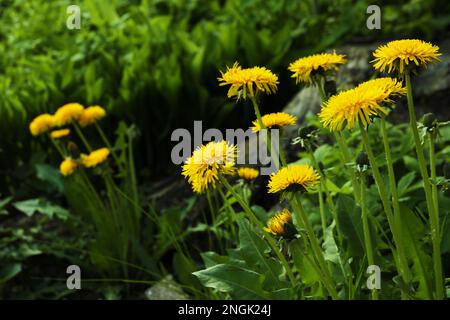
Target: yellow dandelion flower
[90,115]
[95,157]
[248,173]
[399,54]
[68,166]
[306,68]
[297,177]
[248,81]
[390,86]
[42,123]
[277,224]
[273,120]
[68,113]
[207,162]
[361,103]
[57,134]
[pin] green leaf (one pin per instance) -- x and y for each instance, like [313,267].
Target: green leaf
[405,182]
[413,235]
[411,163]
[184,267]
[253,250]
[3,204]
[329,245]
[51,175]
[9,271]
[351,225]
[30,207]
[239,282]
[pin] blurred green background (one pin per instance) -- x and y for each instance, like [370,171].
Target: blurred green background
[155,63]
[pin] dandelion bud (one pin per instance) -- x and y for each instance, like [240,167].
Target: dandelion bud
[305,132]
[362,159]
[429,120]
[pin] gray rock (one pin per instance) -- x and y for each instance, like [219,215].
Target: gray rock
[166,289]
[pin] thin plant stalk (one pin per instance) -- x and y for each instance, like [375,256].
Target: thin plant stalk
[82,137]
[251,216]
[366,230]
[394,191]
[432,211]
[343,147]
[403,269]
[262,126]
[108,145]
[434,189]
[233,216]
[323,187]
[302,220]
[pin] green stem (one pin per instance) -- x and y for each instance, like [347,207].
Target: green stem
[386,205]
[82,137]
[233,216]
[108,145]
[257,113]
[251,216]
[322,94]
[268,140]
[343,147]
[58,148]
[302,220]
[366,230]
[328,196]
[394,194]
[432,211]
[323,218]
[434,190]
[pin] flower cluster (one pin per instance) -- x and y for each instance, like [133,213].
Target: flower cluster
[71,114]
[67,114]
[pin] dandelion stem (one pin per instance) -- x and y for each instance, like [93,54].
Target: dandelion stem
[394,192]
[434,190]
[302,220]
[82,137]
[268,139]
[108,145]
[233,215]
[433,213]
[366,230]
[403,269]
[329,198]
[343,147]
[248,211]
[58,148]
